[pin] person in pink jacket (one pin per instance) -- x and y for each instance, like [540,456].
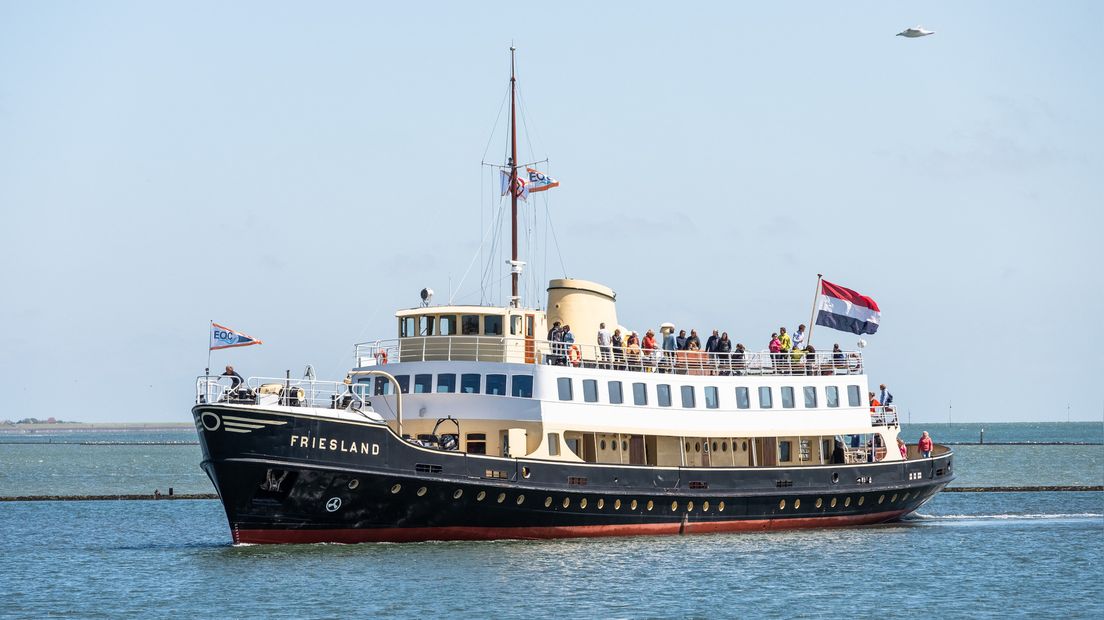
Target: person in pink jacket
[925,445]
[902,447]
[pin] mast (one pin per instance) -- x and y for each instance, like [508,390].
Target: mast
[514,298]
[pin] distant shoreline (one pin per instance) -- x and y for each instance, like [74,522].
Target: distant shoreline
[78,427]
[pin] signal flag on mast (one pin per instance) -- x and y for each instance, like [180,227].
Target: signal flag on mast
[520,187]
[224,338]
[538,182]
[847,310]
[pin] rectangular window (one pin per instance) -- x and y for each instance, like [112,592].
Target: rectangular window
[640,394]
[743,399]
[404,383]
[492,325]
[711,400]
[521,386]
[423,384]
[765,400]
[425,326]
[446,325]
[554,442]
[590,390]
[787,397]
[810,396]
[469,383]
[469,324]
[563,384]
[663,395]
[805,450]
[496,384]
[406,327]
[446,383]
[784,447]
[854,396]
[615,395]
[832,392]
[687,392]
[384,387]
[477,443]
[515,325]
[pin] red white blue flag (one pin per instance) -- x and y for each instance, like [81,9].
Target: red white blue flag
[846,310]
[224,338]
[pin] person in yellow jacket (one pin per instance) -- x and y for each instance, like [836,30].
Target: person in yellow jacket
[786,343]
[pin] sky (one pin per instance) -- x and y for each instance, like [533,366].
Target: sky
[301,171]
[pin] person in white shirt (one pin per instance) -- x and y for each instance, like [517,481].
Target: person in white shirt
[604,342]
[799,338]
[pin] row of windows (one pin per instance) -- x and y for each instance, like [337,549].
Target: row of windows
[470,383]
[688,395]
[464,324]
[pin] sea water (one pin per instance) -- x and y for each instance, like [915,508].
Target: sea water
[961,555]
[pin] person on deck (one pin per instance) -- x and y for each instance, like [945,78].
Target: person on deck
[605,340]
[632,351]
[739,359]
[670,346]
[235,379]
[785,345]
[885,396]
[902,447]
[649,347]
[555,337]
[617,349]
[875,404]
[681,340]
[799,337]
[839,358]
[569,344]
[925,445]
[693,343]
[775,348]
[723,348]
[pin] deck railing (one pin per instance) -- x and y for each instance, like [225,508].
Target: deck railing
[277,391]
[516,349]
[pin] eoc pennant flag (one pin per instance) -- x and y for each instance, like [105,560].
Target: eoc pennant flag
[224,338]
[538,181]
[844,309]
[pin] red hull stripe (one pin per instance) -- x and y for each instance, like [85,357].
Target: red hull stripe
[416,534]
[846,294]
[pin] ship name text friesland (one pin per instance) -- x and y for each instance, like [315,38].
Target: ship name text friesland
[334,445]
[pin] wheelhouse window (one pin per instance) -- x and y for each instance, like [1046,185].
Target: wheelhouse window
[425,325]
[743,399]
[590,390]
[854,396]
[687,392]
[423,384]
[384,387]
[563,385]
[496,384]
[469,324]
[446,325]
[521,386]
[404,383]
[810,396]
[785,450]
[407,326]
[640,394]
[469,383]
[832,395]
[765,399]
[663,395]
[787,397]
[515,325]
[615,395]
[492,325]
[446,383]
[711,399]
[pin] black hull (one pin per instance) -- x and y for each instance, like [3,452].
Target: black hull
[358,482]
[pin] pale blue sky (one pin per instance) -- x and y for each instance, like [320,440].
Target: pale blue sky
[299,171]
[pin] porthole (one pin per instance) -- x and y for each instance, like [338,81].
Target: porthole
[613,446]
[632,505]
[881,498]
[714,446]
[724,446]
[481,496]
[846,501]
[583,503]
[601,503]
[617,504]
[603,444]
[650,505]
[457,494]
[833,504]
[705,506]
[781,504]
[566,502]
[797,504]
[674,506]
[893,499]
[625,445]
[905,498]
[501,497]
[743,446]
[819,502]
[720,507]
[396,488]
[862,500]
[835,478]
[520,500]
[547,502]
[697,446]
[688,446]
[689,506]
[525,472]
[421,491]
[353,484]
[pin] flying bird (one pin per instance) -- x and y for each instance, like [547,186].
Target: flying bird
[915,33]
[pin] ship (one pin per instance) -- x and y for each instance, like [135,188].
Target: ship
[482,422]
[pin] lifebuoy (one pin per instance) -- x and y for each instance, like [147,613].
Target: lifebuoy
[381,357]
[574,355]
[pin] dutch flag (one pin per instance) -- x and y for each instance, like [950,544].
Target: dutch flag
[846,310]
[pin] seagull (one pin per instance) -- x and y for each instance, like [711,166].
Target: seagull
[915,33]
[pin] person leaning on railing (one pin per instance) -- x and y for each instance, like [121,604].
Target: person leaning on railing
[650,350]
